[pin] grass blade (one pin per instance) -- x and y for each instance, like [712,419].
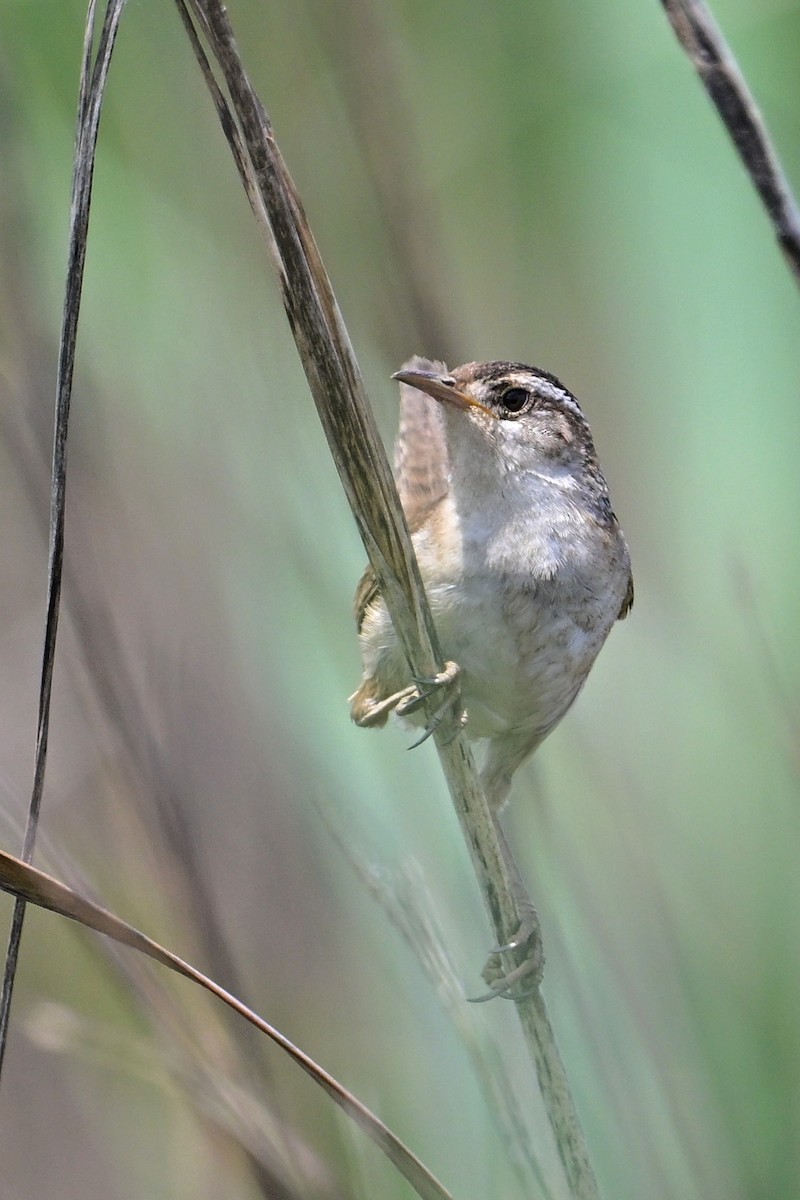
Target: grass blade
[32,886]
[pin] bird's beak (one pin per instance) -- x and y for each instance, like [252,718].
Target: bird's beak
[440,387]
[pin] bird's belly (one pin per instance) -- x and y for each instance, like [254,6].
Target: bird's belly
[522,652]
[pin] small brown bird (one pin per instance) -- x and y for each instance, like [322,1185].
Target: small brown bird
[525,567]
[522,557]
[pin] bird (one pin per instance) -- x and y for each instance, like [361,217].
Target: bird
[524,563]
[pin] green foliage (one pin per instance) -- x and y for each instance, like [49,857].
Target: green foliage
[552,179]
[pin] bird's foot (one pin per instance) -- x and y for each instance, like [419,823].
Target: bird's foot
[442,688]
[525,977]
[366,710]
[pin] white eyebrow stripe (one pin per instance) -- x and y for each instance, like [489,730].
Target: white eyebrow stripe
[558,394]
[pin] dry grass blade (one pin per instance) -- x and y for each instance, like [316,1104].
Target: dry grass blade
[403,895]
[323,343]
[94,73]
[707,49]
[338,391]
[35,887]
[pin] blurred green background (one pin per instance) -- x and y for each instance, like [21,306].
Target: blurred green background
[544,182]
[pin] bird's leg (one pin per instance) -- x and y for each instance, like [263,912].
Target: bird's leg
[367,711]
[424,687]
[443,689]
[505,754]
[524,978]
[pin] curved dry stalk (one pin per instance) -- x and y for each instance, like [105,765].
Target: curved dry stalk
[27,883]
[702,39]
[338,391]
[404,898]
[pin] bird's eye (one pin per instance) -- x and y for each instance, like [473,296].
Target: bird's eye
[515,399]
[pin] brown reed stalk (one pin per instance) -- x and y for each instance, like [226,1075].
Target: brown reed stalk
[712,58]
[94,73]
[338,391]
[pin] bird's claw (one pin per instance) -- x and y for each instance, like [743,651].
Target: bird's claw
[507,986]
[424,689]
[524,979]
[427,686]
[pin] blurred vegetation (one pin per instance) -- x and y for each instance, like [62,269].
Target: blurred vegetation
[544,182]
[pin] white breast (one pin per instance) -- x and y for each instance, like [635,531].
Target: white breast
[523,601]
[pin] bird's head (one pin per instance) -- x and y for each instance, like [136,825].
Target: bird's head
[516,417]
